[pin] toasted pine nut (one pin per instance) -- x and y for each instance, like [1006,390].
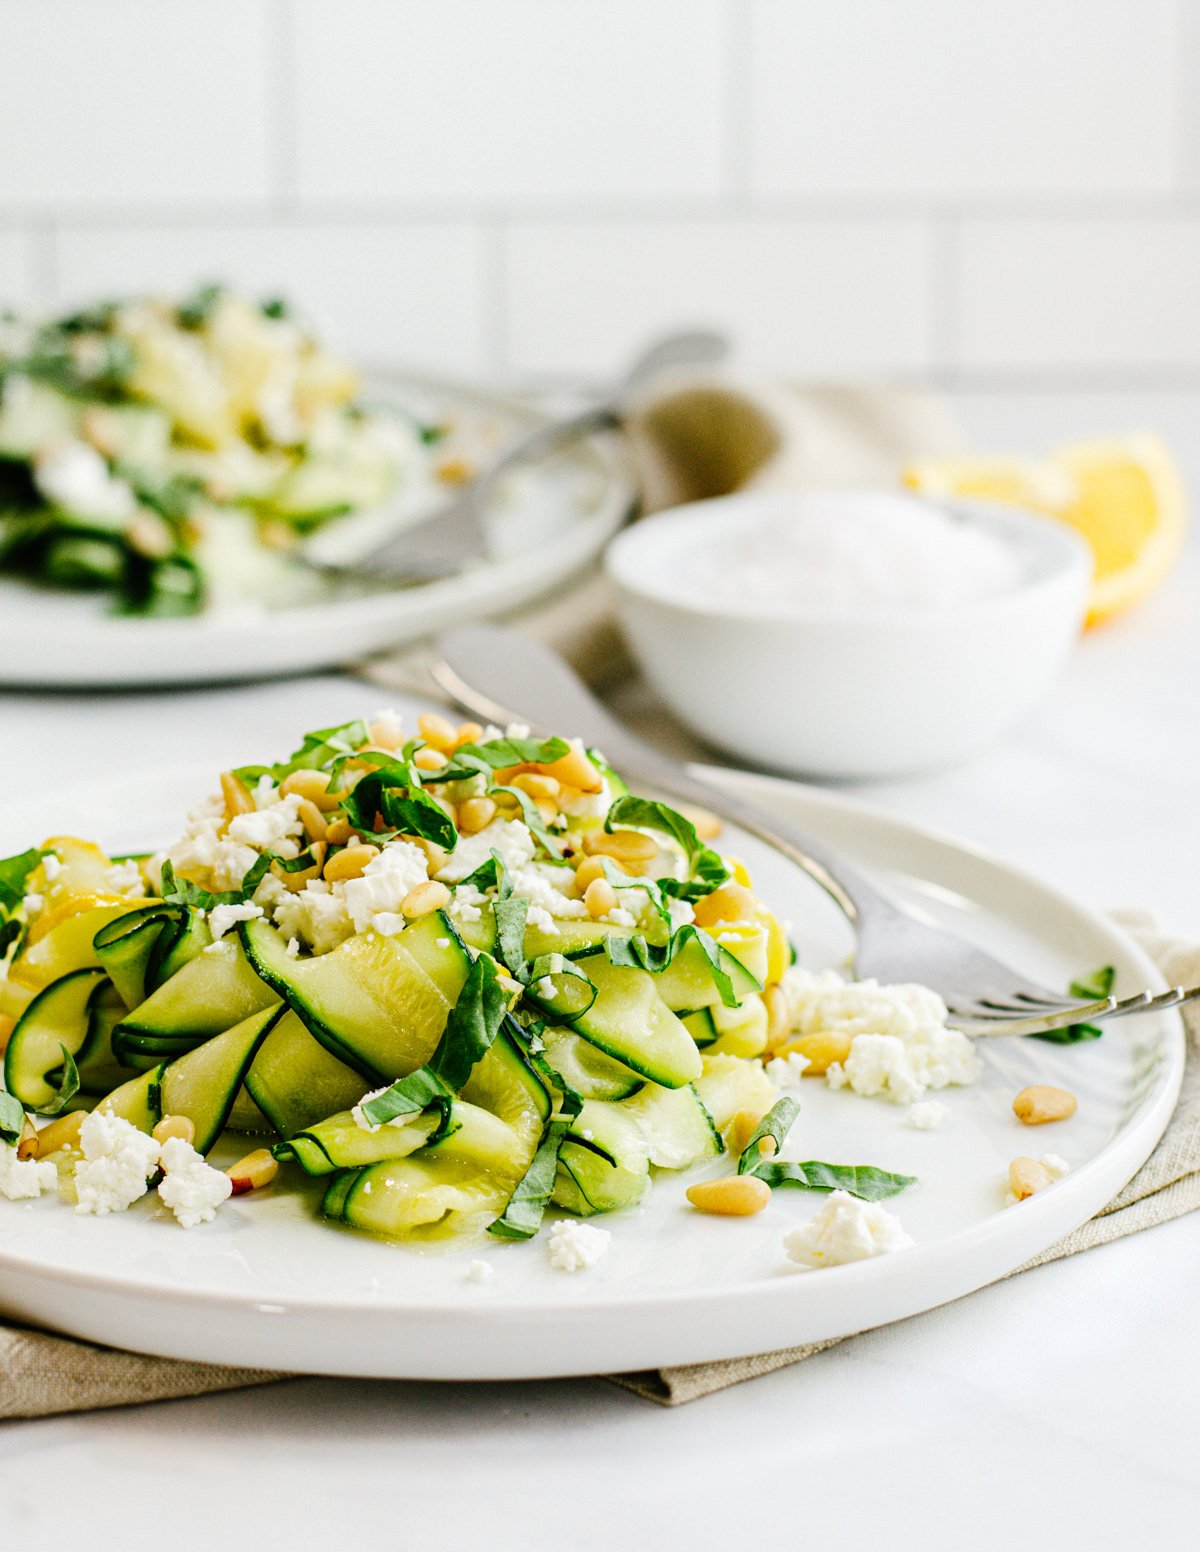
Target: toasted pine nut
[590,869]
[537,785]
[174,1126]
[426,897]
[302,877]
[436,731]
[257,1169]
[429,759]
[741,1129]
[61,1133]
[732,902]
[735,1196]
[705,823]
[629,849]
[574,769]
[600,897]
[338,831]
[237,799]
[779,1018]
[474,814]
[30,1145]
[311,817]
[467,733]
[435,857]
[350,862]
[821,1050]
[547,808]
[1042,1102]
[313,785]
[386,735]
[1025,1176]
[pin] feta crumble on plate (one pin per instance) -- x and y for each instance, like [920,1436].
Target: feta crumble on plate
[116,1167]
[192,1189]
[21,1180]
[845,1229]
[575,1246]
[927,1115]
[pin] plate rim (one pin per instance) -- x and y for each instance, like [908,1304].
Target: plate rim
[1043,1220]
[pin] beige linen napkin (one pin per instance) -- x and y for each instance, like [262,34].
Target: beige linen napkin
[700,437]
[42,1374]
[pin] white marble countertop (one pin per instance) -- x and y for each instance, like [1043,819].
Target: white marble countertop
[1050,1410]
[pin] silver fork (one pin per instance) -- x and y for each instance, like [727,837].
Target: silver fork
[502,676]
[454,535]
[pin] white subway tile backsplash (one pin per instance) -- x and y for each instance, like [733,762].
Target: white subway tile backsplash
[962,98]
[1099,294]
[493,100]
[808,297]
[407,295]
[134,102]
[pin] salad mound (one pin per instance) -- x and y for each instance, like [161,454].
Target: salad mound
[458,977]
[170,452]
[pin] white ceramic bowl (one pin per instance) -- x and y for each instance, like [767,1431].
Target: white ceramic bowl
[840,692]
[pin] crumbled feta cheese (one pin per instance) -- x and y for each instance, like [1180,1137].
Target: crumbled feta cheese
[442,942]
[23,1179]
[33,904]
[544,987]
[509,838]
[1055,1165]
[517,730]
[900,1043]
[680,913]
[541,918]
[265,827]
[928,1115]
[117,1164]
[538,883]
[315,915]
[75,477]
[124,878]
[465,904]
[222,917]
[575,1246]
[480,1272]
[845,1229]
[51,865]
[293,948]
[386,880]
[786,1071]
[192,1189]
[621,917]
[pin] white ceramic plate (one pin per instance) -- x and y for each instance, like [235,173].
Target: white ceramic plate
[559,515]
[268,1284]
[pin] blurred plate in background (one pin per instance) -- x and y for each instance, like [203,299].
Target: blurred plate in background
[554,519]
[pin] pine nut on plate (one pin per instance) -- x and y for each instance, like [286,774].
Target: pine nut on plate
[734,1196]
[1043,1102]
[256,1170]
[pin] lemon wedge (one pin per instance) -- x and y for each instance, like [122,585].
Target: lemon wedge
[1125,497]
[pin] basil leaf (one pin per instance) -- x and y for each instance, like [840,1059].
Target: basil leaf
[419,1091]
[12,1116]
[1090,989]
[393,792]
[499,753]
[14,878]
[636,952]
[318,752]
[706,868]
[510,915]
[181,891]
[532,819]
[522,1216]
[862,1180]
[621,880]
[67,1089]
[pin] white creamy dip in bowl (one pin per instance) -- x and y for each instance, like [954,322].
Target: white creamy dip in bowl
[849,633]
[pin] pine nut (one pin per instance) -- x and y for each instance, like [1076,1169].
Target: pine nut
[350,862]
[537,785]
[741,1129]
[237,799]
[1025,1176]
[467,733]
[590,869]
[779,1016]
[30,1145]
[339,833]
[732,902]
[436,731]
[547,808]
[435,857]
[429,759]
[822,1051]
[600,897]
[706,824]
[296,881]
[174,1126]
[311,817]
[312,785]
[574,769]
[256,1170]
[1042,1102]
[474,814]
[629,849]
[426,897]
[61,1133]
[736,1196]
[386,735]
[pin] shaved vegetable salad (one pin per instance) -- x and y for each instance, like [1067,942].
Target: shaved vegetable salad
[171,453]
[457,977]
